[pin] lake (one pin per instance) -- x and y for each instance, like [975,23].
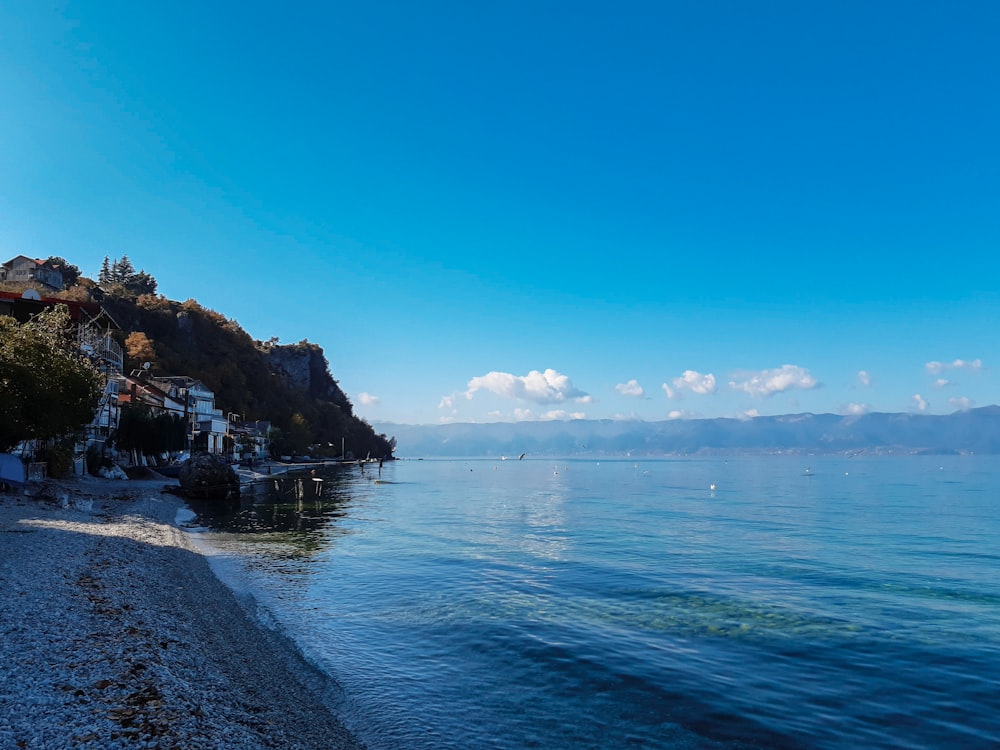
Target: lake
[752,602]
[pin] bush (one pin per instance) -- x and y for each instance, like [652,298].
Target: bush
[96,460]
[60,461]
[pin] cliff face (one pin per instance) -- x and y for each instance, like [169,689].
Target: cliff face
[304,367]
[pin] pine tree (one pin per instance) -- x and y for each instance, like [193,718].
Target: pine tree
[141,283]
[104,277]
[122,270]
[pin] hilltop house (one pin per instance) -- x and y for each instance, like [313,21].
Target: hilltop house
[23,270]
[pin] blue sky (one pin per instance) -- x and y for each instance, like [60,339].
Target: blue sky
[498,211]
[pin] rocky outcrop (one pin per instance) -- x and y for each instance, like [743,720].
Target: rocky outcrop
[208,477]
[304,367]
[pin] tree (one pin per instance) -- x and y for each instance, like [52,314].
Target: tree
[121,278]
[47,388]
[140,283]
[122,270]
[139,348]
[139,429]
[70,273]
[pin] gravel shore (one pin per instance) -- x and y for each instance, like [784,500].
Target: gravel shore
[114,633]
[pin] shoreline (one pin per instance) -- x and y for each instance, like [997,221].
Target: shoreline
[116,633]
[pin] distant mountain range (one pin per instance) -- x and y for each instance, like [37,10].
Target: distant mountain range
[971,431]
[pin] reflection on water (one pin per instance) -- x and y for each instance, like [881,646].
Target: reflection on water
[297,512]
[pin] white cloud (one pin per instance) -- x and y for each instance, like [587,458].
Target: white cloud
[631,388]
[679,414]
[936,368]
[920,402]
[691,380]
[768,382]
[864,378]
[751,413]
[855,408]
[553,415]
[549,387]
[942,383]
[962,403]
[368,399]
[562,415]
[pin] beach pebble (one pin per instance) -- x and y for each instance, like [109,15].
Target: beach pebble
[125,639]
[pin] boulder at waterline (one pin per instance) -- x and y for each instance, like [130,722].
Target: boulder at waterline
[205,476]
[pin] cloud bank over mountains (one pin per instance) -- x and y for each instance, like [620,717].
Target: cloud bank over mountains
[548,394]
[966,431]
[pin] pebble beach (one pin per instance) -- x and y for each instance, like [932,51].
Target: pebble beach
[115,633]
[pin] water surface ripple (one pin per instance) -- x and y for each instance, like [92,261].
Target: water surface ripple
[814,603]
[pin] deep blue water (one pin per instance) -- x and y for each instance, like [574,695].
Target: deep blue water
[804,602]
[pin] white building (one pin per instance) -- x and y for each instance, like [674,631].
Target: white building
[208,425]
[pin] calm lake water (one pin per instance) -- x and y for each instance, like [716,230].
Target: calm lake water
[803,602]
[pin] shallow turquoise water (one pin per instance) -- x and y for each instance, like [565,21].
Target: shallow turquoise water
[820,602]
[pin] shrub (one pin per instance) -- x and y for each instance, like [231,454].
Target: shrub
[60,461]
[95,460]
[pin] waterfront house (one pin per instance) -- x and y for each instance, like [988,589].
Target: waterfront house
[208,425]
[251,439]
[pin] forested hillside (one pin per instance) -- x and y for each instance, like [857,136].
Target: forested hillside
[289,385]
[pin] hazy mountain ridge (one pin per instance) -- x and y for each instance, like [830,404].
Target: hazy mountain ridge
[971,431]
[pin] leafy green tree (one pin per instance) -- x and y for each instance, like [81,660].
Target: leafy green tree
[276,439]
[299,433]
[47,388]
[139,429]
